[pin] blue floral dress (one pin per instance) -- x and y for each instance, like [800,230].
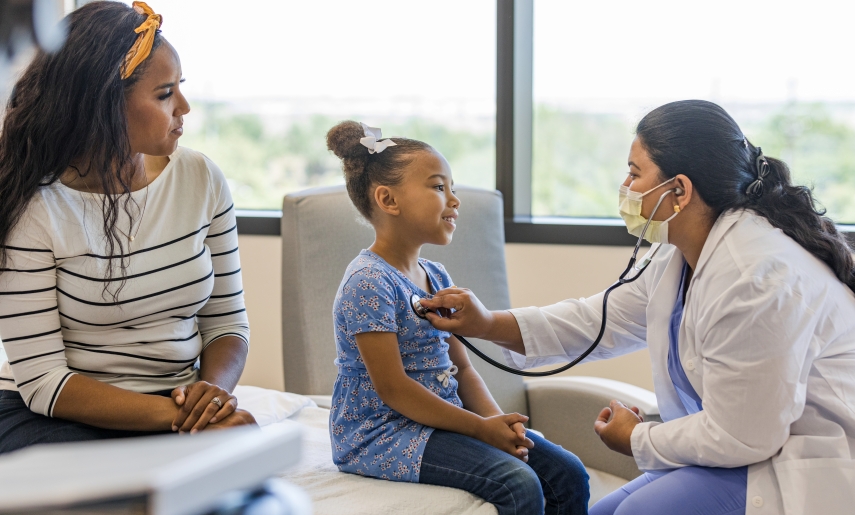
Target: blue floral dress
[368,437]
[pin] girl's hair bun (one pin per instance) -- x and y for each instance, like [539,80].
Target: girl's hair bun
[363,169]
[343,141]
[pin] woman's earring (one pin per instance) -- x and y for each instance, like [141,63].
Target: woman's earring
[676,209]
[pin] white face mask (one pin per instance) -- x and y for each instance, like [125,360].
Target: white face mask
[630,211]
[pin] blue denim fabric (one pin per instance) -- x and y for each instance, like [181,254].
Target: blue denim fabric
[20,427]
[684,491]
[552,476]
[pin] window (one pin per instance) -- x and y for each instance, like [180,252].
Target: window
[266,80]
[780,69]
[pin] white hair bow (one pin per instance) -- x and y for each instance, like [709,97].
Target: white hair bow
[372,140]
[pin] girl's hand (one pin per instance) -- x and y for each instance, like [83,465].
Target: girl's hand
[615,425]
[196,409]
[519,429]
[498,431]
[470,317]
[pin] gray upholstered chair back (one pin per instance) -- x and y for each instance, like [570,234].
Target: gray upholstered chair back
[322,233]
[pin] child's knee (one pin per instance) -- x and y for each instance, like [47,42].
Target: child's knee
[524,487]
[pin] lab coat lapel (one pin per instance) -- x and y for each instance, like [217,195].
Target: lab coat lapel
[719,229]
[658,321]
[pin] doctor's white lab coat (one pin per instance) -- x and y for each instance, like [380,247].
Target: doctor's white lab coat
[767,341]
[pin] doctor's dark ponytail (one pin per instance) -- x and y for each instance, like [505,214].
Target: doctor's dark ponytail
[700,140]
[362,169]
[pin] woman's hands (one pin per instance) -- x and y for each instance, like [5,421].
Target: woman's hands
[506,433]
[196,410]
[615,425]
[238,418]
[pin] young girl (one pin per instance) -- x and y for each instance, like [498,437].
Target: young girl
[407,404]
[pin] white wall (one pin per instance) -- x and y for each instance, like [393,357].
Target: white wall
[543,274]
[537,275]
[261,258]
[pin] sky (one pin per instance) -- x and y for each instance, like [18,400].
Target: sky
[728,50]
[593,55]
[589,55]
[441,49]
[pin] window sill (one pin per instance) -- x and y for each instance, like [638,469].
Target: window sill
[258,222]
[544,230]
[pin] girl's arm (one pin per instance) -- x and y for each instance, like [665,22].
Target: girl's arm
[382,358]
[471,388]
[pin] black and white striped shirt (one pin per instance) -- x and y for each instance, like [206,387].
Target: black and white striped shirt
[183,286]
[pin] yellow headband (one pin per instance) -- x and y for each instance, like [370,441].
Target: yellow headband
[142,46]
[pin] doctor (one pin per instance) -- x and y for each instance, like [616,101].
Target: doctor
[749,315]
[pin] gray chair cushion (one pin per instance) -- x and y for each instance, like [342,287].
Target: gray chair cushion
[322,232]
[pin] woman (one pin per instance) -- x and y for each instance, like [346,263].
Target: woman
[121,308]
[749,315]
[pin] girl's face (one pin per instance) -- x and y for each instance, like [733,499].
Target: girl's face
[427,201]
[155,105]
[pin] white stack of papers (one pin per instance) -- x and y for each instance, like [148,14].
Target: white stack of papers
[157,475]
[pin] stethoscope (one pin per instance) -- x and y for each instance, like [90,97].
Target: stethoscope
[421,311]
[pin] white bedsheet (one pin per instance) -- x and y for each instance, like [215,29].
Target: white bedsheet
[336,493]
[270,406]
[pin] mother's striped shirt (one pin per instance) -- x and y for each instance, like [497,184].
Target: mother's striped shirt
[182,289]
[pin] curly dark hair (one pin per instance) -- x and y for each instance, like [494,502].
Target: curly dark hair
[363,169]
[69,107]
[700,140]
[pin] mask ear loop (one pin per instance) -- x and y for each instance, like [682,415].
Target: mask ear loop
[677,191]
[659,186]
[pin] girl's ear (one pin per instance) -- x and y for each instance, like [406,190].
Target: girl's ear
[386,201]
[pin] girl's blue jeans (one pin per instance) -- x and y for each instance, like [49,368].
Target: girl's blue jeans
[553,482]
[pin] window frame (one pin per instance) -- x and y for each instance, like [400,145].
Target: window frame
[514,117]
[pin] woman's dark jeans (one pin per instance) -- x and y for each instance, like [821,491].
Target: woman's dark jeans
[20,427]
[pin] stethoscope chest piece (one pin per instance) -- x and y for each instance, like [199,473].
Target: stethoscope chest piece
[418,309]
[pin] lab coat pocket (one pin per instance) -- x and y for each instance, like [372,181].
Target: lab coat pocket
[818,485]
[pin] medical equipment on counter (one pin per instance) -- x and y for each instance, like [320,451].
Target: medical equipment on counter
[167,474]
[421,311]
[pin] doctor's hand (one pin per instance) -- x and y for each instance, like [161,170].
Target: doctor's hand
[468,318]
[500,432]
[615,425]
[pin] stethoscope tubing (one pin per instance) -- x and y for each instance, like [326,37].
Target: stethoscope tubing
[421,312]
[579,358]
